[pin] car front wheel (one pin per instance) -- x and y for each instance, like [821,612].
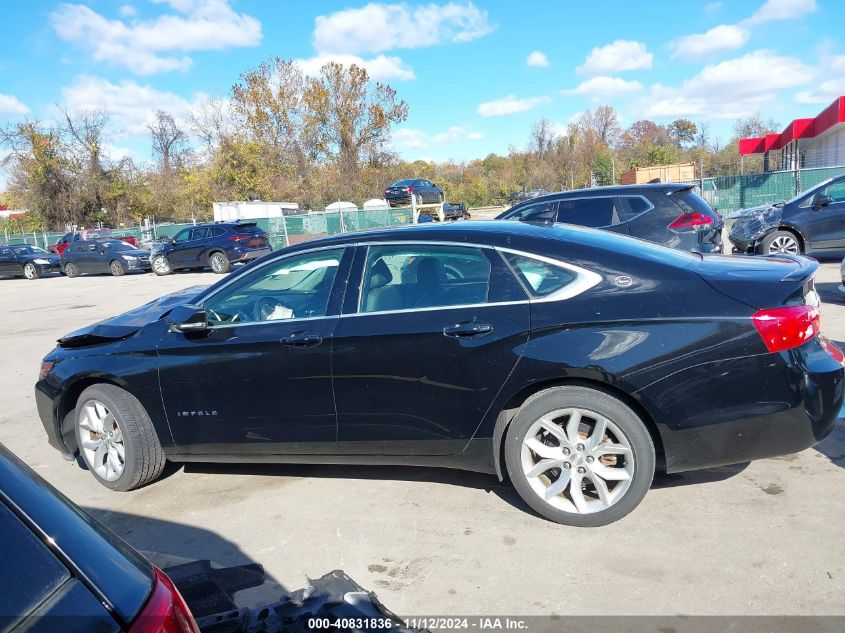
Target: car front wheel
[161,265]
[116,269]
[30,271]
[579,456]
[116,438]
[780,242]
[219,263]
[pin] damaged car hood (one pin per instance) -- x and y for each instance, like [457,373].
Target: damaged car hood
[126,324]
[755,221]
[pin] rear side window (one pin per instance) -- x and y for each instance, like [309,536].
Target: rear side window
[537,212]
[691,202]
[200,233]
[594,212]
[632,206]
[218,232]
[540,278]
[31,572]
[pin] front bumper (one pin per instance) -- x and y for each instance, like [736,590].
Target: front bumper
[47,398]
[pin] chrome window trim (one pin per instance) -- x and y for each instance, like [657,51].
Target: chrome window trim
[275,260]
[585,280]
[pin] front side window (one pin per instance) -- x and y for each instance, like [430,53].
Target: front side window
[539,277]
[537,212]
[836,191]
[293,287]
[404,277]
[594,212]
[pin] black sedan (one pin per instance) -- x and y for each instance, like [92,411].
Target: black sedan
[573,360]
[65,571]
[23,260]
[813,222]
[104,256]
[421,190]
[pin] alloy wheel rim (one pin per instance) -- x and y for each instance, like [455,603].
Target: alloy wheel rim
[577,461]
[29,271]
[101,441]
[160,264]
[115,267]
[216,264]
[784,244]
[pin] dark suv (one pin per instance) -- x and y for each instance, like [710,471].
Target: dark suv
[813,222]
[216,244]
[671,214]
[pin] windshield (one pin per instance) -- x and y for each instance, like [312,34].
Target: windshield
[28,250]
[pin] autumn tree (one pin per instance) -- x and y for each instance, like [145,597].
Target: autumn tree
[682,132]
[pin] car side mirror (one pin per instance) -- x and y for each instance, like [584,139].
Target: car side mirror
[821,200]
[188,318]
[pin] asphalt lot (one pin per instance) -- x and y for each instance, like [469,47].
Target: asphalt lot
[755,539]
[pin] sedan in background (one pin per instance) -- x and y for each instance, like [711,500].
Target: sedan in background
[104,256]
[671,214]
[422,191]
[23,260]
[813,222]
[70,572]
[574,361]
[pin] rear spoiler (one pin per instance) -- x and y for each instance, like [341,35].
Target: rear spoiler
[807,267]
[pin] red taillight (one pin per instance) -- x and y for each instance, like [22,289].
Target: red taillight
[410,189]
[785,328]
[691,221]
[165,611]
[238,238]
[46,368]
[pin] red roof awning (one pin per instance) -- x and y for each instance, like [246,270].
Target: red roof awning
[799,128]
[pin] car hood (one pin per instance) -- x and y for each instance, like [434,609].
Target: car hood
[51,257]
[135,252]
[126,324]
[755,222]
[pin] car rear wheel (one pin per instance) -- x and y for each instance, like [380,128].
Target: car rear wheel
[30,271]
[780,242]
[116,438]
[161,265]
[579,456]
[219,263]
[71,270]
[116,268]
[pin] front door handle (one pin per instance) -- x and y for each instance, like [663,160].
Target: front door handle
[467,330]
[302,339]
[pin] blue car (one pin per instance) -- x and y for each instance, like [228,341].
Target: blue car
[216,245]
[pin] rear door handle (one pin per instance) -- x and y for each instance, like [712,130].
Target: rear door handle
[302,339]
[467,330]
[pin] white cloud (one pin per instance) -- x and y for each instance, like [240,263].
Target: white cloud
[782,10]
[616,57]
[719,38]
[130,105]
[380,27]
[412,138]
[509,105]
[730,89]
[537,59]
[603,87]
[380,68]
[127,10]
[10,104]
[150,46]
[829,89]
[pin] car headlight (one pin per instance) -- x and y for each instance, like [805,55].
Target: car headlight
[130,258]
[42,262]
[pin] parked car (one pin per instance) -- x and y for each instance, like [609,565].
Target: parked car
[671,214]
[216,244]
[455,211]
[515,197]
[23,260]
[423,191]
[813,222]
[104,256]
[70,572]
[88,234]
[586,358]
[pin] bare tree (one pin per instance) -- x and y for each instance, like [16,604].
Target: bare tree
[542,137]
[168,141]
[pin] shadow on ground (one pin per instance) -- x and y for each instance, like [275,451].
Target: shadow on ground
[829,292]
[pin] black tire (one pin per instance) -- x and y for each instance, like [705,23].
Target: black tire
[161,265]
[774,242]
[116,268]
[30,271]
[619,414]
[71,270]
[143,456]
[219,263]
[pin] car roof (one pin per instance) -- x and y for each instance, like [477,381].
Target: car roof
[609,189]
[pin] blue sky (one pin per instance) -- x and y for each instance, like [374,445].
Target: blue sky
[475,74]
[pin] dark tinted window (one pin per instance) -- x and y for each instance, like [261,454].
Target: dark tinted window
[595,212]
[691,202]
[403,277]
[29,570]
[537,212]
[218,232]
[200,233]
[540,278]
[638,204]
[247,229]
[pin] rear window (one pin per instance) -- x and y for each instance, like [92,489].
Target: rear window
[37,573]
[691,202]
[247,229]
[403,183]
[539,278]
